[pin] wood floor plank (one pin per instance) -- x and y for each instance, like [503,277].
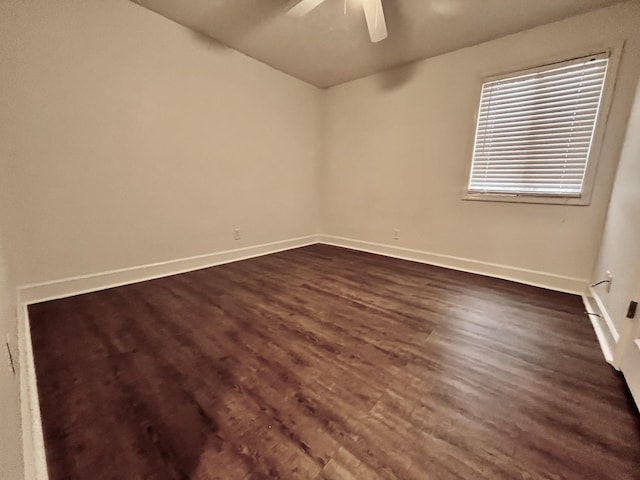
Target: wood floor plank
[325,363]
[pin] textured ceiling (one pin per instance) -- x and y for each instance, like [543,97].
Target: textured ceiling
[327,47]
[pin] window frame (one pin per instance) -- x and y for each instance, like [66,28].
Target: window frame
[613,53]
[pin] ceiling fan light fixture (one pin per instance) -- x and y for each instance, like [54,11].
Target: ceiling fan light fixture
[303,7]
[374,15]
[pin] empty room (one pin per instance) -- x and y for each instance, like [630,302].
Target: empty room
[319,239]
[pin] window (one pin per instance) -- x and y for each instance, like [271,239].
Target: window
[535,131]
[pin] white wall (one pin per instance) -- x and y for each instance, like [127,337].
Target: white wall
[10,437]
[620,251]
[132,140]
[400,143]
[125,140]
[11,467]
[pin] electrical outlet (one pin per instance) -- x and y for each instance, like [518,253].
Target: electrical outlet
[10,357]
[396,234]
[608,284]
[236,234]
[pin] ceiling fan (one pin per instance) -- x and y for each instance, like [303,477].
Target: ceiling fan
[373,14]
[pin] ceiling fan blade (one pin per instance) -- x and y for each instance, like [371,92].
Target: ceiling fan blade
[303,7]
[374,14]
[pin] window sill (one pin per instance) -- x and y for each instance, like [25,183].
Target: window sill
[541,199]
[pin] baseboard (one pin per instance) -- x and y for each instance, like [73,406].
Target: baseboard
[530,277]
[602,325]
[629,366]
[66,287]
[33,451]
[613,331]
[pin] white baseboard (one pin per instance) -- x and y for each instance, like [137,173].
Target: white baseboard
[34,456]
[611,327]
[520,275]
[602,325]
[629,365]
[66,287]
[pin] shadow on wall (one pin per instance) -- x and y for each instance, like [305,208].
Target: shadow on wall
[396,77]
[402,72]
[207,42]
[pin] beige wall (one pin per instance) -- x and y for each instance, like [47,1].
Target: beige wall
[620,252]
[131,140]
[400,143]
[126,139]
[11,467]
[10,438]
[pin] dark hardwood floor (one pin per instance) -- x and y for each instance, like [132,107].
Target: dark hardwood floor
[324,363]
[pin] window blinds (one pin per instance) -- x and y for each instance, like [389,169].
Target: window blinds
[535,128]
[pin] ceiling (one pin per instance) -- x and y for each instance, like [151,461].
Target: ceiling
[327,47]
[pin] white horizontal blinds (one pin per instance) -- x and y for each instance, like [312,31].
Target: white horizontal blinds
[535,128]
